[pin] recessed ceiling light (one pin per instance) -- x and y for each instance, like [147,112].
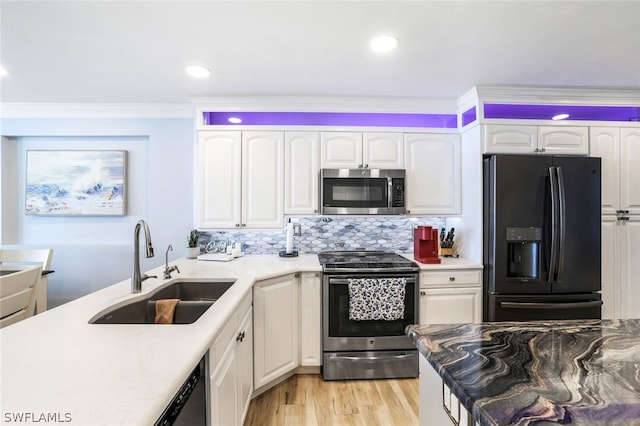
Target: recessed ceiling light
[3,72]
[198,71]
[235,120]
[560,117]
[382,44]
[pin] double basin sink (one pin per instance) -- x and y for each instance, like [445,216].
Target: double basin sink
[195,298]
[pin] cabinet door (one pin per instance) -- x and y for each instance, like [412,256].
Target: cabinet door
[630,170]
[262,179]
[432,174]
[605,143]
[224,390]
[629,232]
[610,270]
[275,326]
[341,150]
[310,319]
[245,365]
[382,151]
[302,161]
[501,139]
[219,179]
[450,305]
[563,140]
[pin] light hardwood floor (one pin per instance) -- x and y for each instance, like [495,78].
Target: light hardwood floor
[307,400]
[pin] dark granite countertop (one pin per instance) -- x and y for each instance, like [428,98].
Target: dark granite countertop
[583,372]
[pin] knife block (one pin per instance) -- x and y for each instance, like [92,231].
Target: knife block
[425,244]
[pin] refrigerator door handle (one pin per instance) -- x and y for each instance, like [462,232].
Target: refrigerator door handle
[562,220]
[551,305]
[553,261]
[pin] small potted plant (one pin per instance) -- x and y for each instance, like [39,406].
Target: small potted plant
[193,249]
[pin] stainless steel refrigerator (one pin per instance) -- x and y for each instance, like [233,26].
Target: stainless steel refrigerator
[542,225]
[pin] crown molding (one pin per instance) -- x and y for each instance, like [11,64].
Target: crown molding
[96,110]
[554,95]
[327,104]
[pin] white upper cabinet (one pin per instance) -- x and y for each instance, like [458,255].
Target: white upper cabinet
[630,170]
[619,149]
[605,143]
[513,139]
[220,179]
[382,151]
[510,139]
[241,179]
[433,174]
[341,150]
[563,140]
[262,179]
[302,163]
[354,150]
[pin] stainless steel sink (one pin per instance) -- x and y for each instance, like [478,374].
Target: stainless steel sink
[195,298]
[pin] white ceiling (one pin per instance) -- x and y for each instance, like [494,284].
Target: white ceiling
[135,51]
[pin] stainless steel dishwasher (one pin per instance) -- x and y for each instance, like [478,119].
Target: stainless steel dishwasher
[189,407]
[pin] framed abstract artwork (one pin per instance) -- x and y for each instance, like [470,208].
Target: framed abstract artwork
[76,183]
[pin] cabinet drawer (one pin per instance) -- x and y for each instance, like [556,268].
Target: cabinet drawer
[450,278]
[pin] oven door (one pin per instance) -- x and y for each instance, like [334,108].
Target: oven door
[342,334]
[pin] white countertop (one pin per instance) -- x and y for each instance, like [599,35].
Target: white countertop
[56,363]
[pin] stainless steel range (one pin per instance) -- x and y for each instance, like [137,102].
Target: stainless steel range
[368,298]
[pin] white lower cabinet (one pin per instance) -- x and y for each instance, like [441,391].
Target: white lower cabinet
[450,296]
[275,324]
[310,319]
[231,369]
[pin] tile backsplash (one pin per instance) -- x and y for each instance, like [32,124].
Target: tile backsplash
[324,233]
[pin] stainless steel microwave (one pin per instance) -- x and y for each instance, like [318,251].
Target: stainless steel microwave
[362,191]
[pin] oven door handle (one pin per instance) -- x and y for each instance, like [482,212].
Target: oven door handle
[373,358]
[332,280]
[550,305]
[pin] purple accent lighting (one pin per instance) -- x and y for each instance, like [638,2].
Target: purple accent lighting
[469,116]
[576,112]
[447,121]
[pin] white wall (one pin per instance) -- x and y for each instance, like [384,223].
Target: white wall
[93,252]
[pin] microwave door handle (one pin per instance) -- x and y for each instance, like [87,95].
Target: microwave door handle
[389,192]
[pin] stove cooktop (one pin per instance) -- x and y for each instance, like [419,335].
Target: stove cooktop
[375,261]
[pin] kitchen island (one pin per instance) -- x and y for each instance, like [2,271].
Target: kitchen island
[583,372]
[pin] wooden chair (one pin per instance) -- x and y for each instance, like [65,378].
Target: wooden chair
[17,295]
[24,257]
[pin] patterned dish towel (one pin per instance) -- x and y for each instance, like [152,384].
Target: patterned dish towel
[376,298]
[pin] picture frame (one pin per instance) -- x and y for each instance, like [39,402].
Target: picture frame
[76,183]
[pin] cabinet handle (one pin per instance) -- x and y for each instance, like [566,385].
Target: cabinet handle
[237,225]
[542,149]
[536,150]
[240,337]
[624,218]
[452,278]
[423,293]
[366,166]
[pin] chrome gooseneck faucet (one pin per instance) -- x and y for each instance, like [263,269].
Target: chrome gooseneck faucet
[136,277]
[168,269]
